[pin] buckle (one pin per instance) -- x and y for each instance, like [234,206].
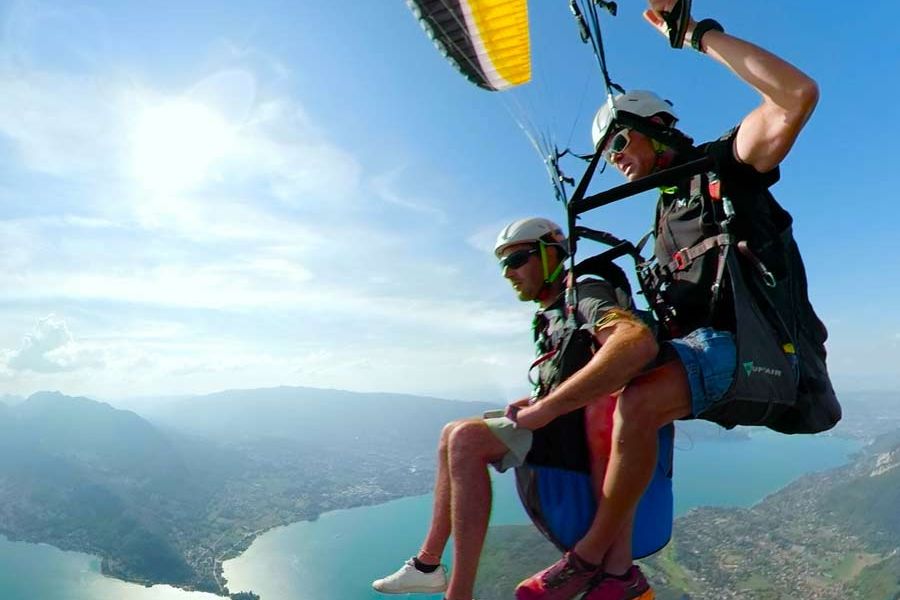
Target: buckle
[715,189]
[680,259]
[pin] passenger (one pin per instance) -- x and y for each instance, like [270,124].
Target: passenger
[531,253]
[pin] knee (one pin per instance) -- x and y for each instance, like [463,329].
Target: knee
[653,400]
[468,440]
[636,411]
[447,431]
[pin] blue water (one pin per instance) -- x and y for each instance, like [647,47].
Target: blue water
[341,553]
[41,572]
[338,555]
[719,473]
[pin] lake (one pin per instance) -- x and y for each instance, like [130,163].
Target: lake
[42,572]
[338,555]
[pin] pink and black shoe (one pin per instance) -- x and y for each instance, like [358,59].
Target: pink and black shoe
[563,580]
[631,586]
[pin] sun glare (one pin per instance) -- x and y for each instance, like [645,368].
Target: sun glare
[176,143]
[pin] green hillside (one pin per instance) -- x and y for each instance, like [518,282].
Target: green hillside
[869,503]
[512,553]
[161,504]
[828,536]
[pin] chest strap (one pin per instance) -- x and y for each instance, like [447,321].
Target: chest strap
[683,258]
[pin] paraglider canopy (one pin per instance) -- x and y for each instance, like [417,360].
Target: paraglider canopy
[487,40]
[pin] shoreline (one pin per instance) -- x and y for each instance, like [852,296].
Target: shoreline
[235,551]
[241,546]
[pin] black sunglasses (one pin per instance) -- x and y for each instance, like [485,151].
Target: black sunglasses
[517,258]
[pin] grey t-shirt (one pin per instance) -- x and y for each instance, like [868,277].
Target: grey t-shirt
[595,297]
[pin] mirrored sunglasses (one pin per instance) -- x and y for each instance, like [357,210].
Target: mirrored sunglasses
[517,258]
[617,144]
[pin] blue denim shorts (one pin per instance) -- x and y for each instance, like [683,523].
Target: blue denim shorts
[709,358]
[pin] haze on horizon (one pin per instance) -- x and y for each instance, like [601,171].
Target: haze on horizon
[245,196]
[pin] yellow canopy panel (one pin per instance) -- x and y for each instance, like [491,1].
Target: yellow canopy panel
[487,40]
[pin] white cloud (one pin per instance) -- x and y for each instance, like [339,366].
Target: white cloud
[218,135]
[179,268]
[61,124]
[216,219]
[483,238]
[50,348]
[280,148]
[221,134]
[62,260]
[385,186]
[38,32]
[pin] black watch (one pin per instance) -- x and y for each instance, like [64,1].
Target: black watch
[700,30]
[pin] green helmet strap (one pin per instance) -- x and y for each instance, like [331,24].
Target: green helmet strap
[548,277]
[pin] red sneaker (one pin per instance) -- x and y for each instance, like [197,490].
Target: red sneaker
[633,586]
[562,580]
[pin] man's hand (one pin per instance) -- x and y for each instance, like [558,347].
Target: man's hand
[653,15]
[512,411]
[530,416]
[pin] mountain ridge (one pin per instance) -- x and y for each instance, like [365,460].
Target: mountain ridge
[163,504]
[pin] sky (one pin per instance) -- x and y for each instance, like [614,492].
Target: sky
[214,195]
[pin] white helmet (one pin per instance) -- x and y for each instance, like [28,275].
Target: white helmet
[637,102]
[535,229]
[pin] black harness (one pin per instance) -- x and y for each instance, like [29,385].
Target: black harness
[780,379]
[561,443]
[706,272]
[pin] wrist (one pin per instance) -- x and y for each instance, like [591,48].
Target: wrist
[700,29]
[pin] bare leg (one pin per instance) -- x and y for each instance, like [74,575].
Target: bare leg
[649,402]
[472,447]
[618,558]
[439,530]
[599,424]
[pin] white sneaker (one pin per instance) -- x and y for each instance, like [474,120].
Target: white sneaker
[409,580]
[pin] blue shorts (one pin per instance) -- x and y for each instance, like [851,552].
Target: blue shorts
[709,358]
